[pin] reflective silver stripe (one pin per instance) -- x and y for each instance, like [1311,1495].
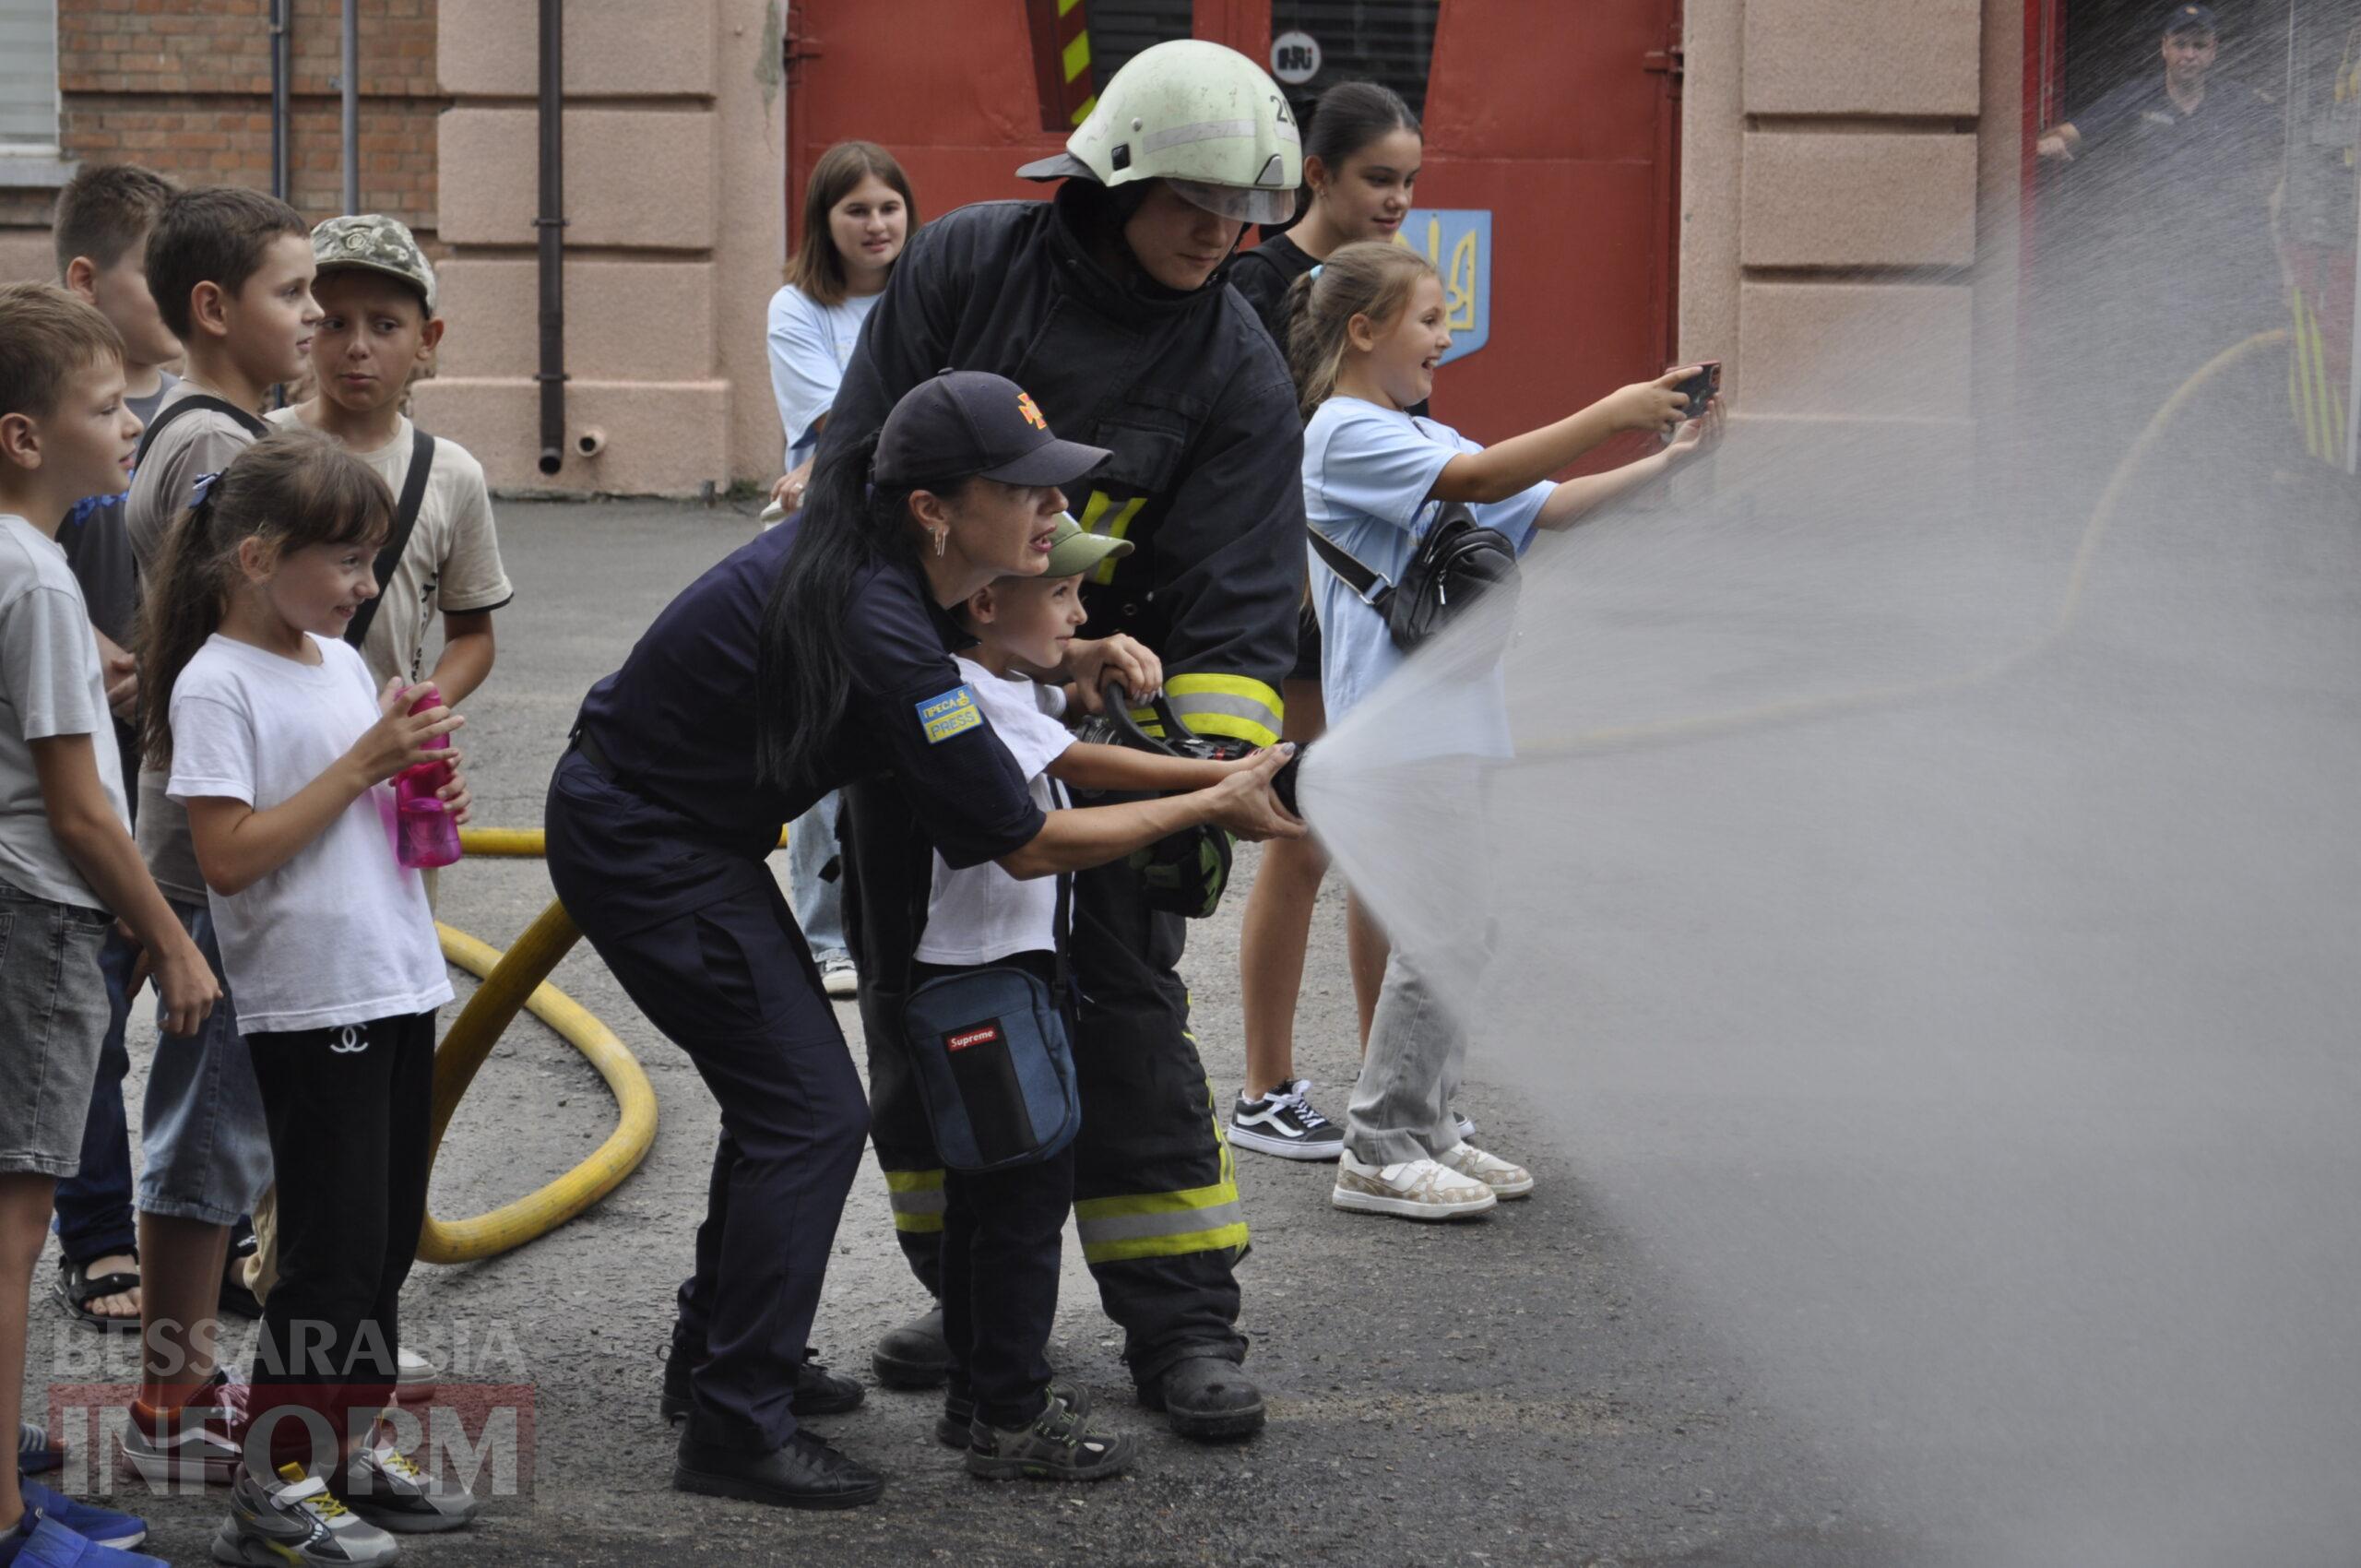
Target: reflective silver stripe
[1186,703]
[1171,1222]
[932,1200]
[1196,130]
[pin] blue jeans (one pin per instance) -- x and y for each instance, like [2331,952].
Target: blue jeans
[94,1206]
[818,902]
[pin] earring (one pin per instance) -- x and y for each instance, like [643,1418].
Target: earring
[939,535]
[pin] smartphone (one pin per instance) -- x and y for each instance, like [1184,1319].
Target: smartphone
[1701,388]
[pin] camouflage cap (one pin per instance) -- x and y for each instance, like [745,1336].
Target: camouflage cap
[378,244]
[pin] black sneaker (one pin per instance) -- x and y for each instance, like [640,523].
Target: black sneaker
[1059,1446]
[804,1473]
[1283,1122]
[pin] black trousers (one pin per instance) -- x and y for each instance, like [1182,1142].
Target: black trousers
[348,1109]
[731,982]
[1002,1234]
[1156,1193]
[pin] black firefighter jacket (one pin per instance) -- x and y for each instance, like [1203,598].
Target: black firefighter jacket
[1186,390]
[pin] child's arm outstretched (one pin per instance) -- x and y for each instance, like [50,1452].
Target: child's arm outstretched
[1523,461]
[237,846]
[84,824]
[1120,768]
[1578,498]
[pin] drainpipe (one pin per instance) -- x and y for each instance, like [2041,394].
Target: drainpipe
[281,44]
[351,83]
[550,225]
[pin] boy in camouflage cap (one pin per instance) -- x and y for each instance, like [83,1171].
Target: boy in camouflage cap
[380,333]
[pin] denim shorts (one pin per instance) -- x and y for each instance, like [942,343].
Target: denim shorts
[202,1137]
[53,1016]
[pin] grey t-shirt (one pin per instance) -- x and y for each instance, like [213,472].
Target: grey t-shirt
[99,552]
[50,685]
[201,443]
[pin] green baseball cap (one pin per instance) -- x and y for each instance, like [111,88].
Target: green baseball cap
[374,243]
[1074,550]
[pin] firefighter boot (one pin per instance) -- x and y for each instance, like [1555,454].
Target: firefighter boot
[1208,1398]
[915,1355]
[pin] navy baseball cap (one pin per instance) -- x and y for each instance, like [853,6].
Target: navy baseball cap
[971,424]
[2190,18]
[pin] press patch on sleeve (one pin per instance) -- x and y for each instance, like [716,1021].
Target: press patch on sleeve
[953,713]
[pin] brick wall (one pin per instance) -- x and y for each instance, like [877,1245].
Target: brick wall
[183,86]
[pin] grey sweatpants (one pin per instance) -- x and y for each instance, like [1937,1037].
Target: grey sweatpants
[1401,1105]
[1418,1043]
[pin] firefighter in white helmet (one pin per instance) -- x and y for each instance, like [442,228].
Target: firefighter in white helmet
[1108,303]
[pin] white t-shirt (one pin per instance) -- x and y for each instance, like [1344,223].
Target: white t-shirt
[810,346]
[1367,471]
[982,914]
[51,685]
[452,562]
[340,933]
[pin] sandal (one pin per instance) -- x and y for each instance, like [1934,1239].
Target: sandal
[76,1288]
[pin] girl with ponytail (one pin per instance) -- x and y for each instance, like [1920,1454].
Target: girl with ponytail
[1366,331]
[279,746]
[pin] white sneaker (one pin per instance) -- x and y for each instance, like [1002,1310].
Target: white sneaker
[415,1377]
[839,978]
[1506,1180]
[1414,1189]
[295,1521]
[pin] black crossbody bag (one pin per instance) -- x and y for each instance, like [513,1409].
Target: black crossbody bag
[1458,561]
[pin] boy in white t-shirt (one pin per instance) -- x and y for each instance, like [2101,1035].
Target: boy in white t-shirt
[1002,1230]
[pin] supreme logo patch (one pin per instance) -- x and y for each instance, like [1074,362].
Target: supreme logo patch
[953,713]
[977,1034]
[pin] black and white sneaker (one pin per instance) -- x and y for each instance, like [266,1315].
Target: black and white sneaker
[1283,1122]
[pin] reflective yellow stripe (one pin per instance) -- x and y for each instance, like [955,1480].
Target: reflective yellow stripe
[1155,1225]
[1065,5]
[918,1199]
[1227,704]
[1119,527]
[1083,112]
[1078,55]
[1158,1224]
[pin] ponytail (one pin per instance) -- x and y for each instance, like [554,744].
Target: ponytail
[1369,277]
[293,489]
[802,680]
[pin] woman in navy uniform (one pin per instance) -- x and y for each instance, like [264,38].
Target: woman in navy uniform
[815,656]
[1109,303]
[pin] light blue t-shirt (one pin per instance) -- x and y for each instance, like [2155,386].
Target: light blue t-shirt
[1367,471]
[810,346]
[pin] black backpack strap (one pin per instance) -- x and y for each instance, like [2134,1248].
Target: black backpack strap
[191,404]
[1069,996]
[1359,578]
[421,461]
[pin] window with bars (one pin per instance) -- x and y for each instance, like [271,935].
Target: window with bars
[1390,42]
[27,76]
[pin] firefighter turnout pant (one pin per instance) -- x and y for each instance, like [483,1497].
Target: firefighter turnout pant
[1155,1193]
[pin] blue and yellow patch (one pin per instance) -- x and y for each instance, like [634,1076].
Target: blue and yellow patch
[953,713]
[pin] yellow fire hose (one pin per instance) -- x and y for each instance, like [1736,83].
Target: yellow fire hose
[513,980]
